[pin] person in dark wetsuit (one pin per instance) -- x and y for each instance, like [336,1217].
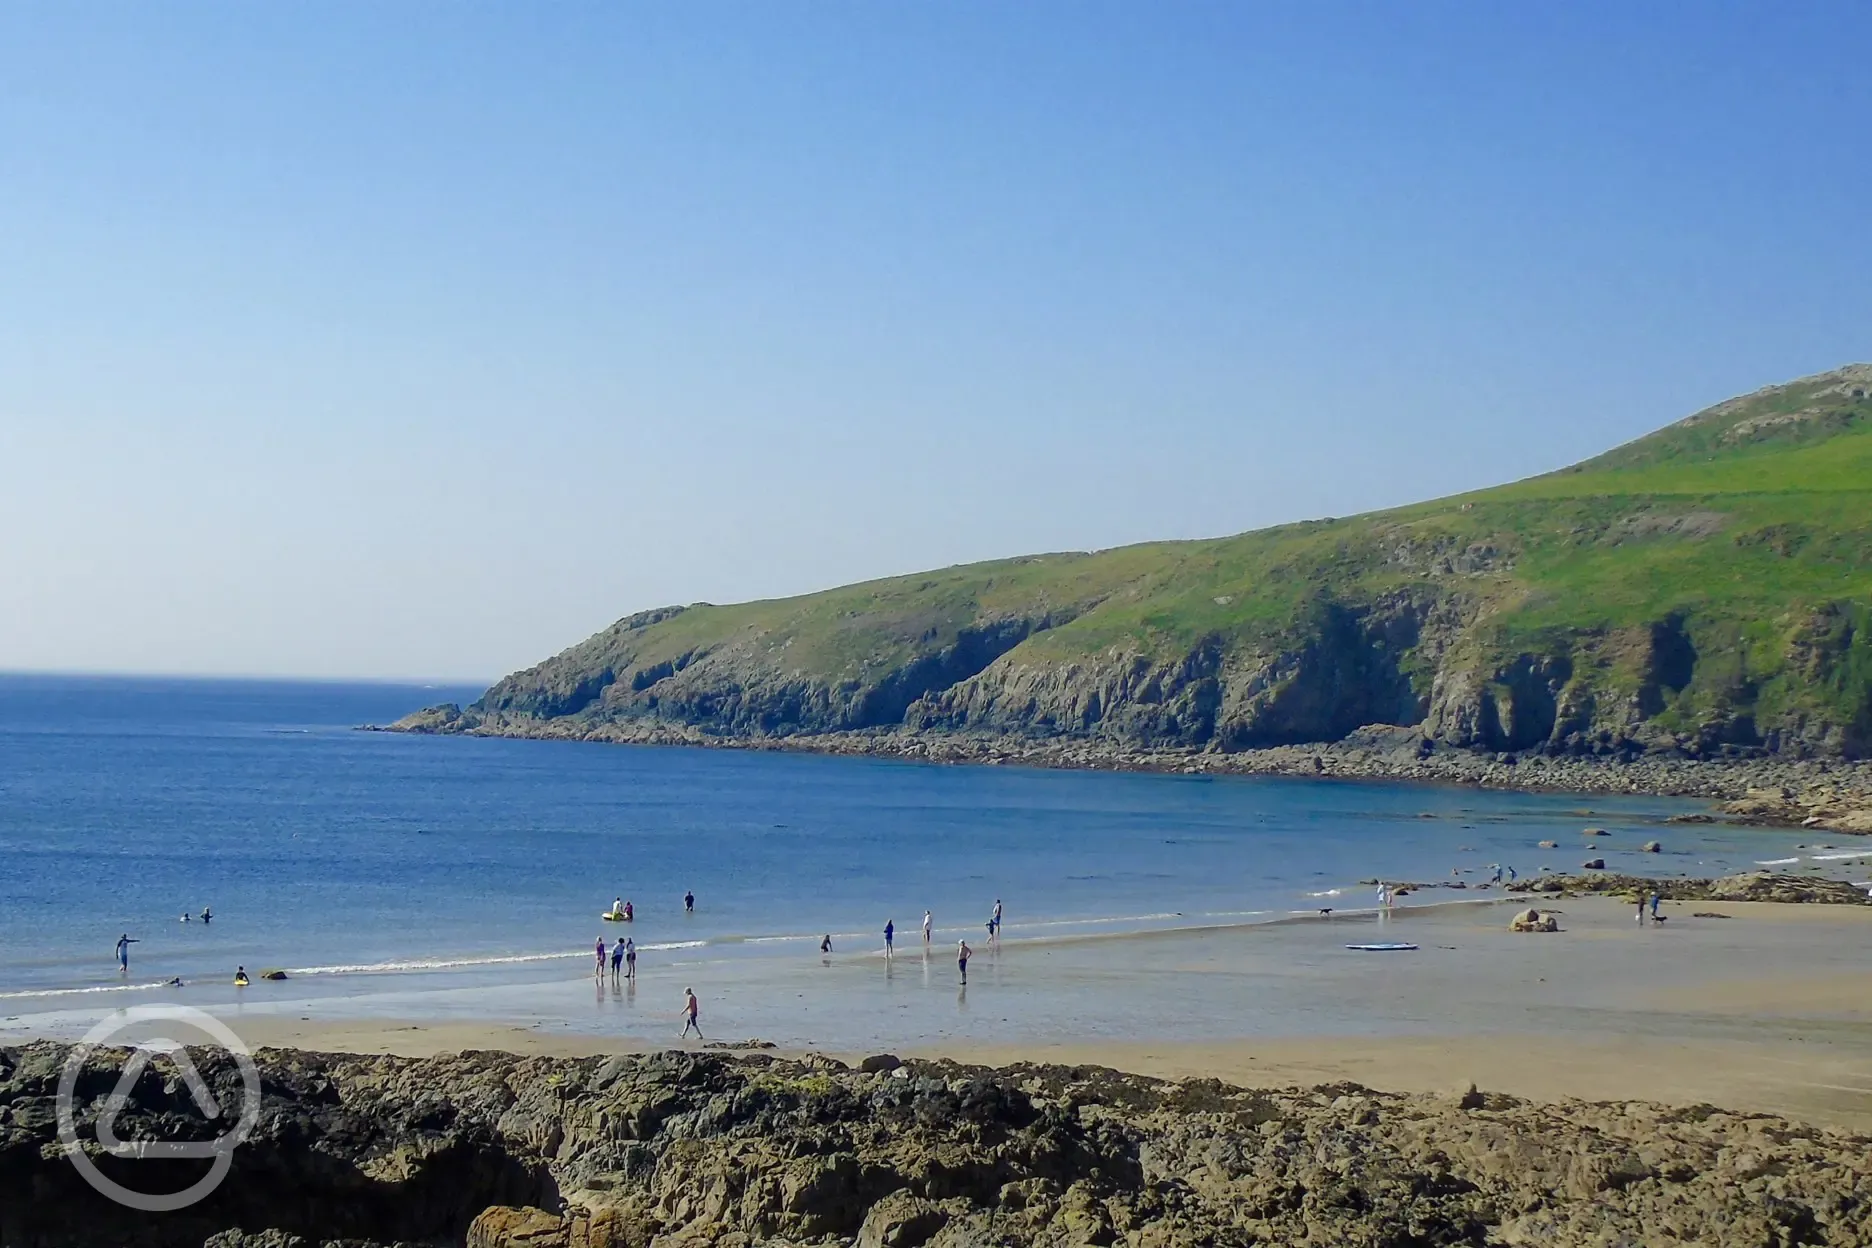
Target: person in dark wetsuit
[825,945]
[123,952]
[688,903]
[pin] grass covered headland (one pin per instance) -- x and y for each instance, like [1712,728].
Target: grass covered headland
[1705,590]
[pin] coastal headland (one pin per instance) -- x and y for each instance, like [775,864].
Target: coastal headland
[1689,614]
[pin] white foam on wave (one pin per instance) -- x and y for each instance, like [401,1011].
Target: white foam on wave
[430,964]
[1861,853]
[1776,862]
[82,992]
[676,944]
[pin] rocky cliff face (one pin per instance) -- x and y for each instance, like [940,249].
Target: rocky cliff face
[495,1151]
[1706,591]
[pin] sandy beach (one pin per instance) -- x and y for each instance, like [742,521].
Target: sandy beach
[1766,1009]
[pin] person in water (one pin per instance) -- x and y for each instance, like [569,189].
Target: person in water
[617,906]
[962,957]
[630,959]
[601,957]
[617,958]
[123,952]
[628,913]
[926,927]
[207,915]
[825,943]
[691,1009]
[240,977]
[688,903]
[890,937]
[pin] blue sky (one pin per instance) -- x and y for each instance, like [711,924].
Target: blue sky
[423,340]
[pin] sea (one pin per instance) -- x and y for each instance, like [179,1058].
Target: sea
[394,876]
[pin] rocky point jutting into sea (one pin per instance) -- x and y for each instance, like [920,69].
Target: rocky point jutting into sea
[498,1151]
[1690,613]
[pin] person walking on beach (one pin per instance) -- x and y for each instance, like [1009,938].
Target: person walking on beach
[1641,902]
[825,943]
[123,953]
[926,927]
[601,957]
[688,902]
[1654,905]
[691,1010]
[890,937]
[1384,897]
[997,914]
[962,956]
[630,959]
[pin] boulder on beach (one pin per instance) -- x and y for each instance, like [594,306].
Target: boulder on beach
[1532,920]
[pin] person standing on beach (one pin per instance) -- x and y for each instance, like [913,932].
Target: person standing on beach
[890,937]
[997,914]
[926,927]
[1384,897]
[630,959]
[601,957]
[825,944]
[962,957]
[691,1009]
[617,958]
[688,902]
[1641,901]
[123,953]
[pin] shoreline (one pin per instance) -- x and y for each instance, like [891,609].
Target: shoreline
[1826,795]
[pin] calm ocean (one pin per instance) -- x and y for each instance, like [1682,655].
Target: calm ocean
[364,863]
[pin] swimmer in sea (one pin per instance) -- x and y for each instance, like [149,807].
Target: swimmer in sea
[240,977]
[691,1008]
[962,957]
[688,902]
[629,913]
[207,915]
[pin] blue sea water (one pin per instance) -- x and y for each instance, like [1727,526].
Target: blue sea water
[358,860]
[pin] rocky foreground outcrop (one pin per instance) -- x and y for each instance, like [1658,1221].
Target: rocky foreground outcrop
[497,1151]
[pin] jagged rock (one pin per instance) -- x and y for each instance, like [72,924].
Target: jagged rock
[1532,920]
[1750,886]
[685,1150]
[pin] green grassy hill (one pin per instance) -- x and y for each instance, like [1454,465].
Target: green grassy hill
[1707,588]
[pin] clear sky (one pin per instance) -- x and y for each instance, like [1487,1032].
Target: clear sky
[425,339]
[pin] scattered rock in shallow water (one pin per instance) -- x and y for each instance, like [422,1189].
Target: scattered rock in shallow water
[1593,864]
[1550,844]
[1653,847]
[1594,832]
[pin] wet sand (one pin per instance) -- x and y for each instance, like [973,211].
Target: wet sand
[1768,1009]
